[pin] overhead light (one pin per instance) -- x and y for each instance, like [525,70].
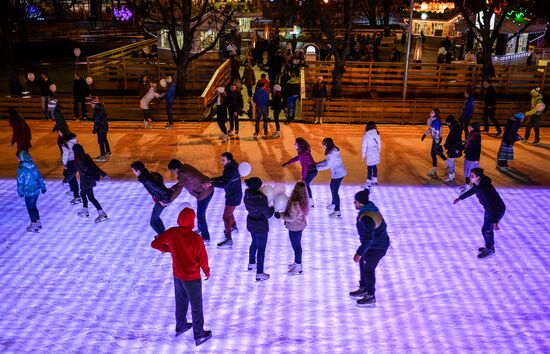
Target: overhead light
[424,16]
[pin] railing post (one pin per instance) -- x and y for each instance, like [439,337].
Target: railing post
[125,74]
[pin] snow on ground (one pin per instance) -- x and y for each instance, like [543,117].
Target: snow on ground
[78,287]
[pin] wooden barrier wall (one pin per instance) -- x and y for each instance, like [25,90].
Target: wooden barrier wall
[221,78]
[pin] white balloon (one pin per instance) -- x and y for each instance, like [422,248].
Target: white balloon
[269,192]
[185,205]
[89,80]
[244,169]
[53,88]
[279,188]
[162,82]
[77,52]
[30,77]
[279,202]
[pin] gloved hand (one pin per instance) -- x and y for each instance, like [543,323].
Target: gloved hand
[43,191]
[423,137]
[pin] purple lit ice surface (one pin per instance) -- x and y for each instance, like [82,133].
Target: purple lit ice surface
[81,287]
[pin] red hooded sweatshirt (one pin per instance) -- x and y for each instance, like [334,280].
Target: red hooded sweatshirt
[187,248]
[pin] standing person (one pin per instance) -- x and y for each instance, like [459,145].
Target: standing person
[309,171]
[230,181]
[493,205]
[143,86]
[453,144]
[235,66]
[472,152]
[506,150]
[319,95]
[234,103]
[221,112]
[490,107]
[467,111]
[44,84]
[261,100]
[188,257]
[535,115]
[257,224]
[89,173]
[101,127]
[265,82]
[80,92]
[192,180]
[277,106]
[169,97]
[370,147]
[375,242]
[153,183]
[21,132]
[249,80]
[68,141]
[60,124]
[144,105]
[434,130]
[295,218]
[333,161]
[29,185]
[292,92]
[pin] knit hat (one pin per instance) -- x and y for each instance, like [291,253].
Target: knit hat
[277,87]
[220,89]
[519,115]
[362,196]
[253,183]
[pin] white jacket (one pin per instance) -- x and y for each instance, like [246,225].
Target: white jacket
[334,163]
[145,100]
[372,144]
[68,153]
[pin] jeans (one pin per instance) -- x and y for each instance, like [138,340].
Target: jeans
[261,113]
[30,202]
[309,177]
[489,113]
[436,151]
[276,113]
[334,187]
[73,183]
[465,123]
[296,242]
[291,106]
[367,266]
[258,244]
[82,102]
[169,106]
[487,229]
[88,194]
[221,117]
[534,122]
[319,107]
[103,143]
[372,171]
[228,219]
[451,164]
[156,222]
[234,120]
[202,205]
[189,292]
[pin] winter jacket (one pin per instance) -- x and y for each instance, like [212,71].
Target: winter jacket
[333,161]
[265,84]
[536,98]
[249,78]
[21,135]
[510,135]
[149,96]
[488,197]
[170,94]
[191,179]
[186,247]
[319,90]
[154,184]
[230,181]
[295,217]
[277,101]
[143,88]
[67,148]
[89,172]
[59,120]
[468,110]
[453,143]
[371,146]
[258,211]
[472,148]
[490,99]
[101,124]
[434,129]
[261,98]
[234,101]
[29,180]
[292,87]
[44,86]
[80,89]
[306,161]
[371,228]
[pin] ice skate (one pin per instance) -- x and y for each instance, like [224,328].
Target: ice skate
[101,158]
[297,270]
[358,294]
[39,223]
[83,213]
[185,328]
[205,336]
[101,216]
[367,301]
[227,243]
[234,228]
[262,276]
[277,134]
[374,181]
[108,153]
[311,204]
[251,266]
[223,137]
[368,184]
[75,201]
[487,252]
[335,214]
[230,133]
[450,178]
[256,136]
[432,172]
[291,266]
[330,206]
[32,227]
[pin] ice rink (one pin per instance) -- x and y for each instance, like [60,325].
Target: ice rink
[80,287]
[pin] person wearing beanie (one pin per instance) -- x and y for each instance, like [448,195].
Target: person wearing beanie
[453,144]
[375,242]
[277,106]
[434,130]
[29,185]
[188,258]
[509,138]
[493,205]
[101,127]
[257,224]
[472,152]
[535,115]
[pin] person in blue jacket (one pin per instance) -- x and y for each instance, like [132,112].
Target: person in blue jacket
[29,185]
[375,242]
[169,97]
[261,99]
[230,181]
[467,111]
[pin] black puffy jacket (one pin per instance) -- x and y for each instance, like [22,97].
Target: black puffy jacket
[155,186]
[258,211]
[230,181]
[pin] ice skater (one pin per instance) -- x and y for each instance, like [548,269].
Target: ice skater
[257,224]
[60,124]
[509,138]
[375,242]
[230,181]
[68,140]
[145,102]
[370,147]
[434,130]
[101,127]
[261,101]
[21,132]
[29,186]
[188,257]
[154,184]
[333,161]
[277,106]
[493,205]
[490,107]
[234,103]
[295,218]
[535,115]
[192,180]
[221,112]
[89,173]
[472,152]
[309,171]
[453,144]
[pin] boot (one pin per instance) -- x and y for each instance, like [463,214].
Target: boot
[358,294]
[39,223]
[335,214]
[368,184]
[83,213]
[320,120]
[311,204]
[262,276]
[76,200]
[296,270]
[433,172]
[227,243]
[316,121]
[374,181]
[101,216]
[32,227]
[451,178]
[368,301]
[251,266]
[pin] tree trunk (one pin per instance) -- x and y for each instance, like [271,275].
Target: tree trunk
[182,64]
[337,75]
[21,22]
[488,69]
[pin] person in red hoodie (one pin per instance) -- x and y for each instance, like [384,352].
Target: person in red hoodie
[188,257]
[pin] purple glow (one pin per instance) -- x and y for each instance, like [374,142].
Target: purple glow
[123,14]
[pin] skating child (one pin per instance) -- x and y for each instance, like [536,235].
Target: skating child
[295,218]
[371,146]
[453,144]
[509,138]
[434,130]
[333,161]
[309,171]
[472,152]
[29,185]
[89,173]
[257,224]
